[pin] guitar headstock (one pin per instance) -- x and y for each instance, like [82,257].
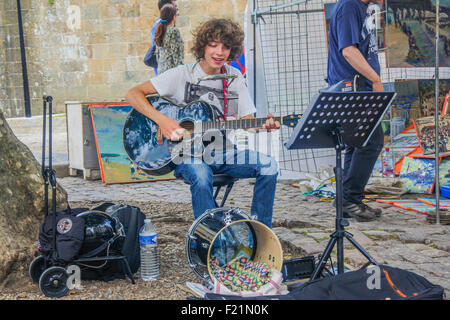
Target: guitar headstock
[291,120]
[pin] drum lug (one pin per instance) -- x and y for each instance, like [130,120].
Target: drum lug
[193,265]
[191,237]
[228,218]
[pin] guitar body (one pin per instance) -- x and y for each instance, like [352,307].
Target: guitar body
[140,133]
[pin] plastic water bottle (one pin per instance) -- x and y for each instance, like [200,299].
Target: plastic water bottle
[149,252]
[388,163]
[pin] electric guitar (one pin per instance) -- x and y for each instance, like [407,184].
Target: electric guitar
[154,154]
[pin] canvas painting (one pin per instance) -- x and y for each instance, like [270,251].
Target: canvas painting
[427,95]
[418,153]
[444,203]
[411,26]
[416,206]
[406,105]
[444,171]
[239,63]
[392,201]
[418,175]
[445,107]
[404,141]
[115,166]
[425,129]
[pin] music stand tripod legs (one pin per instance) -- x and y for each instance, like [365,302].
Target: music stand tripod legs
[337,238]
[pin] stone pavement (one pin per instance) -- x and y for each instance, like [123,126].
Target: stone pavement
[399,238]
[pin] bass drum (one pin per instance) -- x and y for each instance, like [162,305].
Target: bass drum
[226,234]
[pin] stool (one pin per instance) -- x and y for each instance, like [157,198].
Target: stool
[220,180]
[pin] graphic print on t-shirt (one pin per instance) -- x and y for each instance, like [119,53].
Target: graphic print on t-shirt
[369,31]
[212,96]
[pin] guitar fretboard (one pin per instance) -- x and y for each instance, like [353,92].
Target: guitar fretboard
[237,124]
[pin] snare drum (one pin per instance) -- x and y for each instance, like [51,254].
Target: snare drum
[228,233]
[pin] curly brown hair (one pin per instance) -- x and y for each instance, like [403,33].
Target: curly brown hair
[224,30]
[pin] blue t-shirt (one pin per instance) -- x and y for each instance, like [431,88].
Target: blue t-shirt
[152,35]
[352,23]
[152,38]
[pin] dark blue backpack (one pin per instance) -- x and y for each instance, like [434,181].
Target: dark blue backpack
[150,57]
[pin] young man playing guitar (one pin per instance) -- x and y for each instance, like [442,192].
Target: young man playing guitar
[216,42]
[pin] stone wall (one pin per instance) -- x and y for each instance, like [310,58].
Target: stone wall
[96,61]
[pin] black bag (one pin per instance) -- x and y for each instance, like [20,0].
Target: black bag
[394,284]
[69,235]
[132,220]
[150,57]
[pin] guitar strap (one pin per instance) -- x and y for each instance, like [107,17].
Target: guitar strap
[225,94]
[219,114]
[159,136]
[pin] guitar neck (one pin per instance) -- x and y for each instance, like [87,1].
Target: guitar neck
[237,124]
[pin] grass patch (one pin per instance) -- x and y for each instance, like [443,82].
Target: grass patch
[432,245]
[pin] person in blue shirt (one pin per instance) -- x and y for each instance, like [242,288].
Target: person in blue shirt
[161,4]
[353,50]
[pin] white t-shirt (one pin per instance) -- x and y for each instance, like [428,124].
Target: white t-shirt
[181,85]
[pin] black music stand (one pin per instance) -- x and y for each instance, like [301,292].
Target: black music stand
[333,120]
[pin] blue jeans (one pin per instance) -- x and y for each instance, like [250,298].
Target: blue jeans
[238,164]
[358,166]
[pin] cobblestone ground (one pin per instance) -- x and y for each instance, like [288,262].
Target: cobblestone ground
[303,224]
[399,238]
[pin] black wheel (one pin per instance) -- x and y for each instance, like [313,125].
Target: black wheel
[53,282]
[36,268]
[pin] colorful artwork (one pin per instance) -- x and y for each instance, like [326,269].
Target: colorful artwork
[444,203]
[115,166]
[445,107]
[425,129]
[418,175]
[239,63]
[393,156]
[411,26]
[406,105]
[422,205]
[418,153]
[404,141]
[444,171]
[427,95]
[416,206]
[392,201]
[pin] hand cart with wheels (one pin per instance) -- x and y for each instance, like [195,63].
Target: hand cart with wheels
[48,269]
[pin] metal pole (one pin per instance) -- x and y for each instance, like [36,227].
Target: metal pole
[26,91]
[436,117]
[386,57]
[255,21]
